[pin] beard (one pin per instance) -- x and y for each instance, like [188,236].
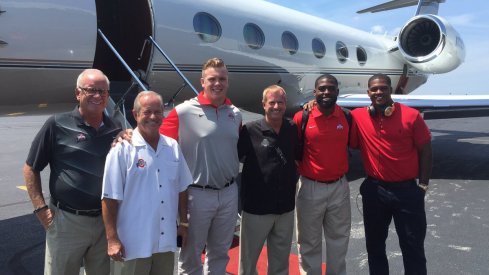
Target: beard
[326,102]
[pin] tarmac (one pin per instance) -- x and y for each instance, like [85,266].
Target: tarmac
[457,240]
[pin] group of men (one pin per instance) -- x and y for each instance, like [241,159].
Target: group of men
[177,179]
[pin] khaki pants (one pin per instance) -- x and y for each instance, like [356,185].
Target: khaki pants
[277,231]
[323,208]
[157,264]
[73,239]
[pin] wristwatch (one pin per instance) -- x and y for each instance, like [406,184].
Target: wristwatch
[423,186]
[39,209]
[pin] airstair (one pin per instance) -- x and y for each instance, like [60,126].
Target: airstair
[123,93]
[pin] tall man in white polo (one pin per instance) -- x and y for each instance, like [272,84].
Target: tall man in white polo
[144,183]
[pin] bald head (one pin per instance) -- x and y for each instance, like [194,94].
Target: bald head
[90,74]
[137,101]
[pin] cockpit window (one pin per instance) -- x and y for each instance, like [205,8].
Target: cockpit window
[207,27]
[253,36]
[318,48]
[290,42]
[341,52]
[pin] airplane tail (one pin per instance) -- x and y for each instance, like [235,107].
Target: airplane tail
[424,6]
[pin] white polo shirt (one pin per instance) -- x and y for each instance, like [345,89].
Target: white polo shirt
[146,184]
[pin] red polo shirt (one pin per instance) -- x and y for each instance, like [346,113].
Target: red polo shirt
[325,145]
[389,145]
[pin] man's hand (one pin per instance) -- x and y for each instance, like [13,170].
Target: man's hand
[123,135]
[309,105]
[183,231]
[46,217]
[115,250]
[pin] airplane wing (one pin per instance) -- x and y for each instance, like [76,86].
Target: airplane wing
[432,106]
[391,5]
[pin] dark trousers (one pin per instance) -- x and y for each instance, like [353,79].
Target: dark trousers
[403,201]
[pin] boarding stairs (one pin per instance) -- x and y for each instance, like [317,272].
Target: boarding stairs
[123,93]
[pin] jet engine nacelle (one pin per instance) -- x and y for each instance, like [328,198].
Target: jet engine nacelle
[430,44]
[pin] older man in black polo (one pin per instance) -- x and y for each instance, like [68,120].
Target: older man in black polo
[75,145]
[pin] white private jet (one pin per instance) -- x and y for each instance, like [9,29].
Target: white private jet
[44,44]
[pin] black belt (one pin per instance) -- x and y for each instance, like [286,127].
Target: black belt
[325,182]
[203,187]
[393,184]
[89,213]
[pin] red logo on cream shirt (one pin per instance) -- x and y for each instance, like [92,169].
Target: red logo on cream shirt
[141,163]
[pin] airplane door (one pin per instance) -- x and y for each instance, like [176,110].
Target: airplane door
[127,24]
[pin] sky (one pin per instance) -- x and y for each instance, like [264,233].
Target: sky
[469,17]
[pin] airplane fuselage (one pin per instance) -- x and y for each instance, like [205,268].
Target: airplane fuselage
[48,43]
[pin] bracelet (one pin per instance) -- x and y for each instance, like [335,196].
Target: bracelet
[39,209]
[184,224]
[423,186]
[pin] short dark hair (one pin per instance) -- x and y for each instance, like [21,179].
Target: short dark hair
[385,77]
[327,76]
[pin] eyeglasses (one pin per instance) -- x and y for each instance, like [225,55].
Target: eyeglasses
[323,89]
[93,91]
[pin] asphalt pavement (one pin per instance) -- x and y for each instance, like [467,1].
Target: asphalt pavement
[457,240]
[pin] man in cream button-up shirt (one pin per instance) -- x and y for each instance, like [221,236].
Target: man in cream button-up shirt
[144,188]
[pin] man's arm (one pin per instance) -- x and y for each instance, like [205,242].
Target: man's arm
[354,134]
[170,125]
[244,143]
[309,105]
[34,189]
[425,155]
[182,211]
[115,249]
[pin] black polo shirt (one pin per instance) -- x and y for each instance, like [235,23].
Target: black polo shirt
[76,155]
[269,176]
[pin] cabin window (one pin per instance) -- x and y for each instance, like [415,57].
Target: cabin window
[207,27]
[253,36]
[341,52]
[290,42]
[361,56]
[318,48]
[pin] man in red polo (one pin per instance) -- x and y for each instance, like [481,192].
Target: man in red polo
[323,199]
[395,144]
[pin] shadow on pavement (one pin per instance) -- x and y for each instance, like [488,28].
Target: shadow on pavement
[22,246]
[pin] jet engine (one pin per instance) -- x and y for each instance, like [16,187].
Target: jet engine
[430,44]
